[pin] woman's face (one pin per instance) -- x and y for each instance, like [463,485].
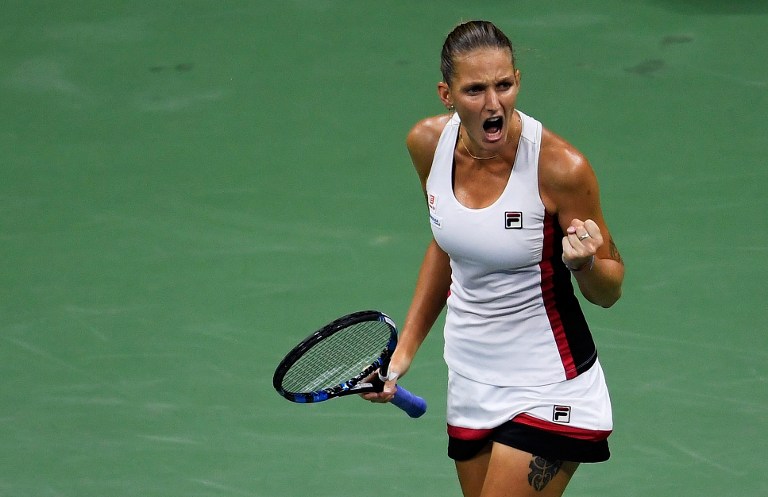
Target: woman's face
[484,91]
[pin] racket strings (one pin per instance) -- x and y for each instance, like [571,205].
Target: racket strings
[340,357]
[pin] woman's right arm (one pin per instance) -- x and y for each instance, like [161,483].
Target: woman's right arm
[432,286]
[434,279]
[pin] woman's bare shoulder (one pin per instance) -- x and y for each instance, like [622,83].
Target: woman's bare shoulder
[422,141]
[562,165]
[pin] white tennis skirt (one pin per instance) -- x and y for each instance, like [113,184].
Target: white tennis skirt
[578,408]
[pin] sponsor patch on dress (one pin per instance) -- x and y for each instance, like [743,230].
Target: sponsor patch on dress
[513,220]
[436,221]
[561,414]
[432,201]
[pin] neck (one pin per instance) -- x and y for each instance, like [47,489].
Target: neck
[461,139]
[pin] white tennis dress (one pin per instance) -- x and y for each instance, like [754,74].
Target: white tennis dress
[512,319]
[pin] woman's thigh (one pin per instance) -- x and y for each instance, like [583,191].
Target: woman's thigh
[503,471]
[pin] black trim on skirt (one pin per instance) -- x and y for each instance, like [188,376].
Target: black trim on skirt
[540,443]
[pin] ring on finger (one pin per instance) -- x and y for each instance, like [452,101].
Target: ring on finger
[584,236]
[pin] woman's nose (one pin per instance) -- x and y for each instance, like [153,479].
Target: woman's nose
[491,101]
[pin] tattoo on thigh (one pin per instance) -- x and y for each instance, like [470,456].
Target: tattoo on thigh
[542,472]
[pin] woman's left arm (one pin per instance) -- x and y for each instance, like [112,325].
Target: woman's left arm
[570,191]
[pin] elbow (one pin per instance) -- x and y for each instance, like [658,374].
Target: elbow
[608,300]
[605,299]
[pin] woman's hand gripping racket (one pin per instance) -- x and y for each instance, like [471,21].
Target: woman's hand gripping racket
[340,358]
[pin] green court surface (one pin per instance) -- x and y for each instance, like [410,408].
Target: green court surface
[187,188]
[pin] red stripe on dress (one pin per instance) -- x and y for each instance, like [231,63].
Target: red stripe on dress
[548,294]
[567,431]
[468,433]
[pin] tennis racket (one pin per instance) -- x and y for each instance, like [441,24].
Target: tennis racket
[337,360]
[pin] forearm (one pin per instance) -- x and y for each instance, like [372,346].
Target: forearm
[429,298]
[601,284]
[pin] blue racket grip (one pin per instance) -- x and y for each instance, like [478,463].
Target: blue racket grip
[412,404]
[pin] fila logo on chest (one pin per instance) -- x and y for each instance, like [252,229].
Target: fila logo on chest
[513,220]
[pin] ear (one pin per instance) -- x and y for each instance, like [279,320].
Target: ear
[444,92]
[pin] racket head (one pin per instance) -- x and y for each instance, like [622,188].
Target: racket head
[334,360]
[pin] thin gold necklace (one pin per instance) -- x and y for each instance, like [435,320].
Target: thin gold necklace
[461,139]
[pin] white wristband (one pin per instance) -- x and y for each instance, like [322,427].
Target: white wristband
[391,376]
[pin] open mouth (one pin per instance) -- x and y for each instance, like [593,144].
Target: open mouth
[493,127]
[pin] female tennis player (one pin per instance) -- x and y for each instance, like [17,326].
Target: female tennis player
[515,216]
